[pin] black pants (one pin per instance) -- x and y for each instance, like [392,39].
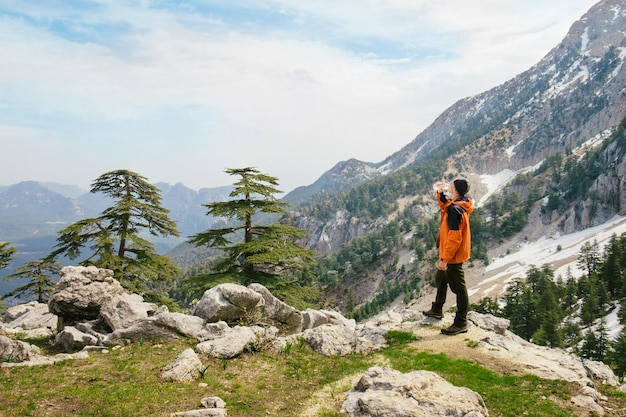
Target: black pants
[455,278]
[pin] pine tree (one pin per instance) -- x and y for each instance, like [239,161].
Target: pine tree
[520,309]
[41,285]
[596,343]
[610,271]
[253,252]
[589,257]
[618,355]
[114,237]
[6,254]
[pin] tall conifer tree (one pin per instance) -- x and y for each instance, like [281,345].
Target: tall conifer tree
[114,237]
[253,252]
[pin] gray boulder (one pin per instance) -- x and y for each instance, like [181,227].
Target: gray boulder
[32,319]
[315,318]
[384,392]
[332,339]
[143,330]
[213,407]
[229,303]
[16,351]
[498,325]
[40,360]
[286,318]
[32,315]
[123,310]
[95,328]
[167,326]
[184,368]
[601,372]
[234,341]
[186,325]
[71,339]
[81,292]
[203,412]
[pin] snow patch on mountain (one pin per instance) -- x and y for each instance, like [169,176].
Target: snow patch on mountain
[560,251]
[495,182]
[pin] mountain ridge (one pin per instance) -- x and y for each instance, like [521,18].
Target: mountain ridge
[577,91]
[580,59]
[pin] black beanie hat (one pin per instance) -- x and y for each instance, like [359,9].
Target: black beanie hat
[462,186]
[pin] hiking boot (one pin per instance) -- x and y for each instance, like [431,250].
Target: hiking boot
[454,329]
[434,312]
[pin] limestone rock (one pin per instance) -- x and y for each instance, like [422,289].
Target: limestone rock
[167,326]
[71,339]
[213,407]
[234,341]
[228,302]
[32,315]
[332,339]
[143,330]
[542,361]
[81,292]
[281,315]
[497,325]
[123,310]
[384,392]
[204,412]
[40,360]
[16,350]
[212,402]
[184,368]
[36,333]
[96,328]
[186,325]
[587,402]
[313,318]
[370,337]
[601,372]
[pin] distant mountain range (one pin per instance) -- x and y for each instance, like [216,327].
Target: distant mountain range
[31,209]
[32,213]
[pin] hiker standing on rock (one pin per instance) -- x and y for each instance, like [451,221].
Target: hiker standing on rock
[454,244]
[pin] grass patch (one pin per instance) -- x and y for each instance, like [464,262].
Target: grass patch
[125,382]
[396,338]
[504,395]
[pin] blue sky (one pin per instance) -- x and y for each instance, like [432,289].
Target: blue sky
[179,91]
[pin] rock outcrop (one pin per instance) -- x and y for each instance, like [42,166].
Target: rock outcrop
[229,303]
[113,318]
[81,292]
[32,319]
[384,392]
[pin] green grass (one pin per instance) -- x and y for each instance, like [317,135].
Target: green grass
[125,382]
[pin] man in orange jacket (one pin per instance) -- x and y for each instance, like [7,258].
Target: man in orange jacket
[454,244]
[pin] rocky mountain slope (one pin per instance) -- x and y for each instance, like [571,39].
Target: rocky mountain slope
[573,96]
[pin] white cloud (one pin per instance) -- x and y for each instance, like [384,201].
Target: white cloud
[290,87]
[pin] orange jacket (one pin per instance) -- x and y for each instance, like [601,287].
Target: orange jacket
[455,240]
